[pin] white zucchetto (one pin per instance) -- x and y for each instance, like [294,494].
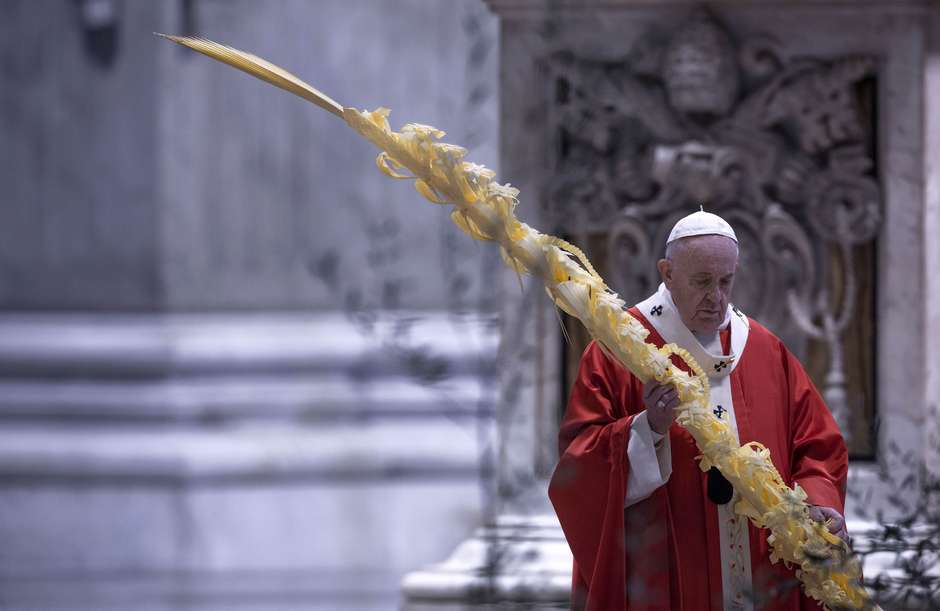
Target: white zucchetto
[701,223]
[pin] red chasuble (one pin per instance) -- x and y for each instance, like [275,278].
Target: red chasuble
[663,552]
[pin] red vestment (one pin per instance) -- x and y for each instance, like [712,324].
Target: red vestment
[663,552]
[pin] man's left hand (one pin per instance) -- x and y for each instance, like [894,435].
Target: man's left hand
[836,521]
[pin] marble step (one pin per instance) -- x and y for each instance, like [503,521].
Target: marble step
[372,450]
[284,590]
[428,344]
[220,398]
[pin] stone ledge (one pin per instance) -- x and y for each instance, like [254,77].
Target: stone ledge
[543,8]
[885,559]
[166,455]
[519,559]
[219,398]
[534,567]
[159,345]
[871,494]
[352,590]
[211,368]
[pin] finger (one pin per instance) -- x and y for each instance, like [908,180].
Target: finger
[649,389]
[831,519]
[835,518]
[816,514]
[657,395]
[664,405]
[842,533]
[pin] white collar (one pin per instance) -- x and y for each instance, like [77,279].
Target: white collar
[662,313]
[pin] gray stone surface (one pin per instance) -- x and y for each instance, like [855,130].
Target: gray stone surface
[169,181]
[281,189]
[229,456]
[257,546]
[239,367]
[523,559]
[80,191]
[311,366]
[930,231]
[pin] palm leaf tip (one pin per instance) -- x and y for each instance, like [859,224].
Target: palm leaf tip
[258,68]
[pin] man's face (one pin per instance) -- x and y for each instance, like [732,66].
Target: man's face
[700,274]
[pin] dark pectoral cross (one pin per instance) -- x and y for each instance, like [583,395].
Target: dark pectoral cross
[718,411]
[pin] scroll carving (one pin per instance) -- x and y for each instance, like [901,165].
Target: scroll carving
[780,146]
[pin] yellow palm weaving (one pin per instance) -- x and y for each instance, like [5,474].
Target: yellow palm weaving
[485,210]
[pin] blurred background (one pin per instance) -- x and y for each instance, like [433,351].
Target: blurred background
[242,369]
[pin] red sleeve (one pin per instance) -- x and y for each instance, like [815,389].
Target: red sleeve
[588,486]
[820,460]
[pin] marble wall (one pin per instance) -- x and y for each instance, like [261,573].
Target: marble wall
[238,366]
[165,181]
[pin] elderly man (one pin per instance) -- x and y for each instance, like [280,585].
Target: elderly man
[647,528]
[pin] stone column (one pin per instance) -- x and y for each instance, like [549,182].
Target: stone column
[519,553]
[931,244]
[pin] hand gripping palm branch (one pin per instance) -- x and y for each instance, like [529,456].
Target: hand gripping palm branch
[484,209]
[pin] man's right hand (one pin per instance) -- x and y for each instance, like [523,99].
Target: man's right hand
[661,401]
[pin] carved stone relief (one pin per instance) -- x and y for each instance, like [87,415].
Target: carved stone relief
[782,147]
